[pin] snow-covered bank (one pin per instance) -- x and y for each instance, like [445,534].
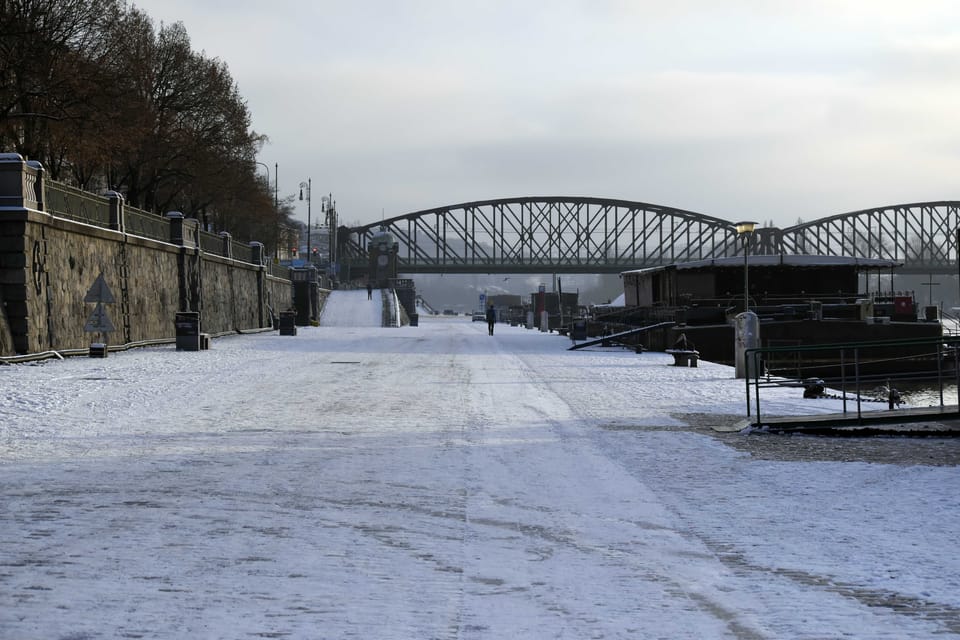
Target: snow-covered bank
[436,482]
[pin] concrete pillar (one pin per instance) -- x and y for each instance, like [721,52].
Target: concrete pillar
[185,232]
[176,227]
[115,200]
[226,241]
[37,168]
[22,275]
[314,294]
[257,253]
[257,256]
[21,183]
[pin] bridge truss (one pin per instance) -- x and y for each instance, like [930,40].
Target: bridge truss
[599,235]
[922,236]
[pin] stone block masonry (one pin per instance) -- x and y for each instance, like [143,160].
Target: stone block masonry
[49,263]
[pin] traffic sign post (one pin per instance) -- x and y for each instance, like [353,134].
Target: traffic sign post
[99,321]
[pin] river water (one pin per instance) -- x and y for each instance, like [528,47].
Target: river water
[927,394]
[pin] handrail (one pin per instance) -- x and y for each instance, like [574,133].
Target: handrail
[621,334]
[71,203]
[938,344]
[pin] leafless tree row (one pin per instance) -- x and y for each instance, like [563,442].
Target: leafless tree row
[100,95]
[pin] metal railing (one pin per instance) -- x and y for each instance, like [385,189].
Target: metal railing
[64,201]
[241,252]
[279,270]
[930,359]
[211,243]
[138,222]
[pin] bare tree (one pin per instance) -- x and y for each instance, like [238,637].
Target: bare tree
[101,97]
[48,55]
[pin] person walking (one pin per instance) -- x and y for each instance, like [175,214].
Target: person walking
[369,290]
[491,318]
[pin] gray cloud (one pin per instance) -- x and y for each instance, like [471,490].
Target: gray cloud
[772,109]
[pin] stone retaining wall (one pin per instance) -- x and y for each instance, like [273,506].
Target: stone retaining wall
[49,264]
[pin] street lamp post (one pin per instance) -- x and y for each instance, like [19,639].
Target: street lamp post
[747,329]
[266,168]
[308,185]
[325,209]
[330,208]
[276,203]
[745,229]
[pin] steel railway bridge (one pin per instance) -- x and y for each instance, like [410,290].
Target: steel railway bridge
[600,235]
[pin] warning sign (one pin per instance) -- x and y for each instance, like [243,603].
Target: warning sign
[99,321]
[100,292]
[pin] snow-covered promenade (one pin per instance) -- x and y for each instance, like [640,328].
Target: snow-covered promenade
[436,482]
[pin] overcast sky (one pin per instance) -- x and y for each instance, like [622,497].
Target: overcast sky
[764,110]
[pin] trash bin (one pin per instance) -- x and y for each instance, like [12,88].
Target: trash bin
[414,319]
[288,323]
[187,324]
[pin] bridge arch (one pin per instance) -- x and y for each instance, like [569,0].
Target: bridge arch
[558,234]
[547,235]
[921,235]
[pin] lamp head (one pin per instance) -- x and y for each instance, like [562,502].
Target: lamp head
[745,227]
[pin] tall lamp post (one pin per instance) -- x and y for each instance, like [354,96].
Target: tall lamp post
[307,185]
[325,208]
[265,168]
[745,229]
[330,206]
[276,202]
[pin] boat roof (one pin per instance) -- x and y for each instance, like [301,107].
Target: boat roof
[778,260]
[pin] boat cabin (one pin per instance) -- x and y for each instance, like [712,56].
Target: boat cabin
[798,300]
[788,282]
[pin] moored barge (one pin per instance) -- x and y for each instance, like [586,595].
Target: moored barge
[800,300]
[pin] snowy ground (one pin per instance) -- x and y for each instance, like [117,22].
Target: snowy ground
[351,308]
[435,482]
